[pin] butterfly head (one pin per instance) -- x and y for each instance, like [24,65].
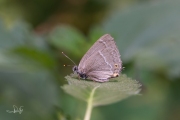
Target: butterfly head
[75,69]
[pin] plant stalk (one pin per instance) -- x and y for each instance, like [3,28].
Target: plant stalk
[90,104]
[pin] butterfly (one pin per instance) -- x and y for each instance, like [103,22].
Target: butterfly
[101,62]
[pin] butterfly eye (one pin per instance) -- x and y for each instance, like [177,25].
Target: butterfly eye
[75,69]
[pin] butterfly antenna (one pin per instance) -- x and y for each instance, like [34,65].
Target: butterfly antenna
[68,58]
[68,65]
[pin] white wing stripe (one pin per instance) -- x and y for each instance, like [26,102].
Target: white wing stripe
[105,60]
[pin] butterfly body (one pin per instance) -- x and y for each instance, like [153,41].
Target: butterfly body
[81,75]
[101,62]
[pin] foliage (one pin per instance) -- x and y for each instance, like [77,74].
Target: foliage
[105,93]
[97,94]
[31,64]
[148,35]
[26,73]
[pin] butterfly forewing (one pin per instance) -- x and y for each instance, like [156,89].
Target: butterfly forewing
[102,60]
[102,43]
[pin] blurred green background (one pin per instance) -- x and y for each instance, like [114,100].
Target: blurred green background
[33,33]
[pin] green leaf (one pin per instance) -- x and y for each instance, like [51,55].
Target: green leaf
[148,34]
[115,90]
[20,34]
[33,55]
[69,39]
[26,74]
[20,48]
[95,33]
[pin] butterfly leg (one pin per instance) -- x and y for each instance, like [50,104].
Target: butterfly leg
[78,77]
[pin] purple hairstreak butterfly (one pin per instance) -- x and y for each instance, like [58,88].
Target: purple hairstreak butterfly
[101,62]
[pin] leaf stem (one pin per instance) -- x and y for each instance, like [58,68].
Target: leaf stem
[90,104]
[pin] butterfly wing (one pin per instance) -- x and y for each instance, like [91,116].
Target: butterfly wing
[104,65]
[102,60]
[103,42]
